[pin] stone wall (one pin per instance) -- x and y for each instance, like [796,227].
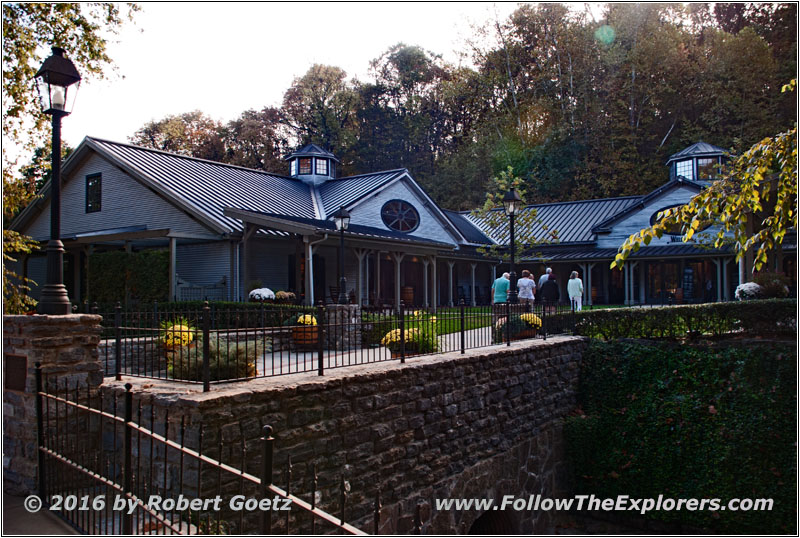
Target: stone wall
[484,424]
[66,347]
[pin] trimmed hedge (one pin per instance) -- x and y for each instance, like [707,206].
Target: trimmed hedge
[690,422]
[762,317]
[137,276]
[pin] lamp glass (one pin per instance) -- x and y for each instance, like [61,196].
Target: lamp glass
[55,97]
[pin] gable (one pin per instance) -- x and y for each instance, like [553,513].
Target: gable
[125,202]
[367,212]
[638,217]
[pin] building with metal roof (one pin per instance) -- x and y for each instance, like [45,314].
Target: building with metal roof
[228,229]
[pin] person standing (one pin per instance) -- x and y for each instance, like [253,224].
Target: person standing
[545,276]
[575,291]
[526,287]
[500,289]
[549,292]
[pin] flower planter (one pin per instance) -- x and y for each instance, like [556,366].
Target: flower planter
[528,333]
[397,354]
[305,336]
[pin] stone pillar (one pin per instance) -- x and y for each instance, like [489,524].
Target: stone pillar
[66,347]
[344,329]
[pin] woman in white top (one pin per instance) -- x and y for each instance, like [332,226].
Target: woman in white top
[526,287]
[575,291]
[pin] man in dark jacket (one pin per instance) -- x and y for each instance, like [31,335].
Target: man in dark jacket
[549,291]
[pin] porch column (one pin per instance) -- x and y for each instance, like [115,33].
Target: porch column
[726,288]
[435,284]
[309,281]
[232,271]
[642,297]
[473,302]
[450,265]
[398,259]
[245,257]
[588,287]
[718,264]
[626,269]
[632,282]
[173,259]
[377,277]
[425,263]
[742,271]
[361,255]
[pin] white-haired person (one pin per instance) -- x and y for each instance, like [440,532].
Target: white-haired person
[575,291]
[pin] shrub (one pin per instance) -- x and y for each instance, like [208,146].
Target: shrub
[773,285]
[416,340]
[227,360]
[519,324]
[748,291]
[690,422]
[374,326]
[285,297]
[261,294]
[770,316]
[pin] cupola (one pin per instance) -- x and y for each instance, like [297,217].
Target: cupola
[698,162]
[312,164]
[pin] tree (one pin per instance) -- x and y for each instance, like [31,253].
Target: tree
[192,134]
[253,140]
[29,29]
[755,202]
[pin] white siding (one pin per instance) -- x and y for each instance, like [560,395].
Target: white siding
[368,213]
[125,202]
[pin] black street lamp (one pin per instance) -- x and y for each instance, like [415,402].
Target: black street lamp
[342,220]
[54,81]
[512,203]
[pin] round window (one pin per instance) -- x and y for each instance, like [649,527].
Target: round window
[400,216]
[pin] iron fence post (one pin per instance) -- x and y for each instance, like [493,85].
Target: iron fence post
[127,522]
[40,431]
[206,351]
[376,516]
[320,339]
[544,319]
[463,324]
[118,340]
[402,334]
[508,323]
[266,477]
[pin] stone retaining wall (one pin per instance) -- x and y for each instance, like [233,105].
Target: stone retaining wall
[66,347]
[484,424]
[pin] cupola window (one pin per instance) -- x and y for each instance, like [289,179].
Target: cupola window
[322,167]
[305,165]
[684,168]
[706,168]
[400,216]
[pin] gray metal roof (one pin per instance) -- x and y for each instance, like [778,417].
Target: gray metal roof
[347,190]
[469,230]
[311,150]
[210,186]
[572,221]
[590,253]
[698,149]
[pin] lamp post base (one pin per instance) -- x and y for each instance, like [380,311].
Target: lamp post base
[54,300]
[343,291]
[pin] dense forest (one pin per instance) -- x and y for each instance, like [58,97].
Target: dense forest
[580,108]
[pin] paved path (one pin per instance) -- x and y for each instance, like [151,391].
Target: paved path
[18,521]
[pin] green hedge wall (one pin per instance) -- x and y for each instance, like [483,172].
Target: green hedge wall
[690,422]
[137,277]
[762,317]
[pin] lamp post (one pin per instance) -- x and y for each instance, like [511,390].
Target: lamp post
[342,220]
[54,81]
[512,203]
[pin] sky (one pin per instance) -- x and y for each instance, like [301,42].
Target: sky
[225,58]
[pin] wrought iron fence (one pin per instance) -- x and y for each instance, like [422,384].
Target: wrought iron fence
[210,346]
[111,467]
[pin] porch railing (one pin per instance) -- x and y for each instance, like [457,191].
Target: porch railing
[207,345]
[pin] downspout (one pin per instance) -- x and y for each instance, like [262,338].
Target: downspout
[310,268]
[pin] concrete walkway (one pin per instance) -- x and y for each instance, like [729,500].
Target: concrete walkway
[18,521]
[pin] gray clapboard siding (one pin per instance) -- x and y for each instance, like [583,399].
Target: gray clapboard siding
[125,202]
[204,264]
[269,262]
[621,230]
[368,213]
